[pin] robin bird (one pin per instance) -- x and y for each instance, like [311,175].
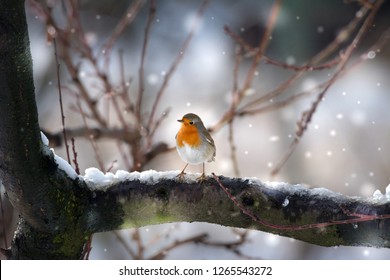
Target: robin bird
[194,143]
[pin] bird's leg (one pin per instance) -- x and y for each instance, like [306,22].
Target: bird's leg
[202,177]
[182,173]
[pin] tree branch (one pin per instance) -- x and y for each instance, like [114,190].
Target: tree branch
[317,216]
[125,135]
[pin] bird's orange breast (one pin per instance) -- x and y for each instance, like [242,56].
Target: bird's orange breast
[188,135]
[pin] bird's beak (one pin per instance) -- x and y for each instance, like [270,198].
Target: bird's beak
[180,121]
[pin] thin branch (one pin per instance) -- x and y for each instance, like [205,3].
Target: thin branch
[255,62]
[124,86]
[87,249]
[91,138]
[125,245]
[342,37]
[97,133]
[163,116]
[141,86]
[138,239]
[234,103]
[163,252]
[91,103]
[129,16]
[76,163]
[250,52]
[113,97]
[124,155]
[176,62]
[285,102]
[111,166]
[60,100]
[383,40]
[307,115]
[262,47]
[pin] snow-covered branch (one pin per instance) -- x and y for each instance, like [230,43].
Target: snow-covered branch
[315,215]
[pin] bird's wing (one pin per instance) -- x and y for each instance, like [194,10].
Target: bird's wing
[211,142]
[209,139]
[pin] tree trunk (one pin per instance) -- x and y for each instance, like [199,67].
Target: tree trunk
[47,199]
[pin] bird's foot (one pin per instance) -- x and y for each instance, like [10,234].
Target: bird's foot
[181,176]
[201,178]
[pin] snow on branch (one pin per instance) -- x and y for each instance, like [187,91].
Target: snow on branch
[315,215]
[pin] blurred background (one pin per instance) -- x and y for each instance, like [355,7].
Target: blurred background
[344,149]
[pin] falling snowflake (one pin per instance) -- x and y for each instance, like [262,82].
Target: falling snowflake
[320,29]
[371,55]
[152,79]
[290,60]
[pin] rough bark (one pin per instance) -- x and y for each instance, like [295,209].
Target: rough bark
[317,216]
[46,198]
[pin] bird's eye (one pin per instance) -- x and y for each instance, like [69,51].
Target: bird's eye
[191,122]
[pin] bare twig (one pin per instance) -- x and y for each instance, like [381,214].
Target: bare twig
[250,52]
[129,16]
[111,165]
[91,103]
[241,238]
[60,100]
[113,97]
[193,239]
[97,133]
[163,116]
[91,138]
[125,244]
[307,115]
[124,85]
[76,164]
[234,103]
[87,249]
[124,155]
[256,60]
[343,36]
[262,46]
[175,63]
[383,40]
[283,103]
[233,149]
[308,68]
[141,86]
